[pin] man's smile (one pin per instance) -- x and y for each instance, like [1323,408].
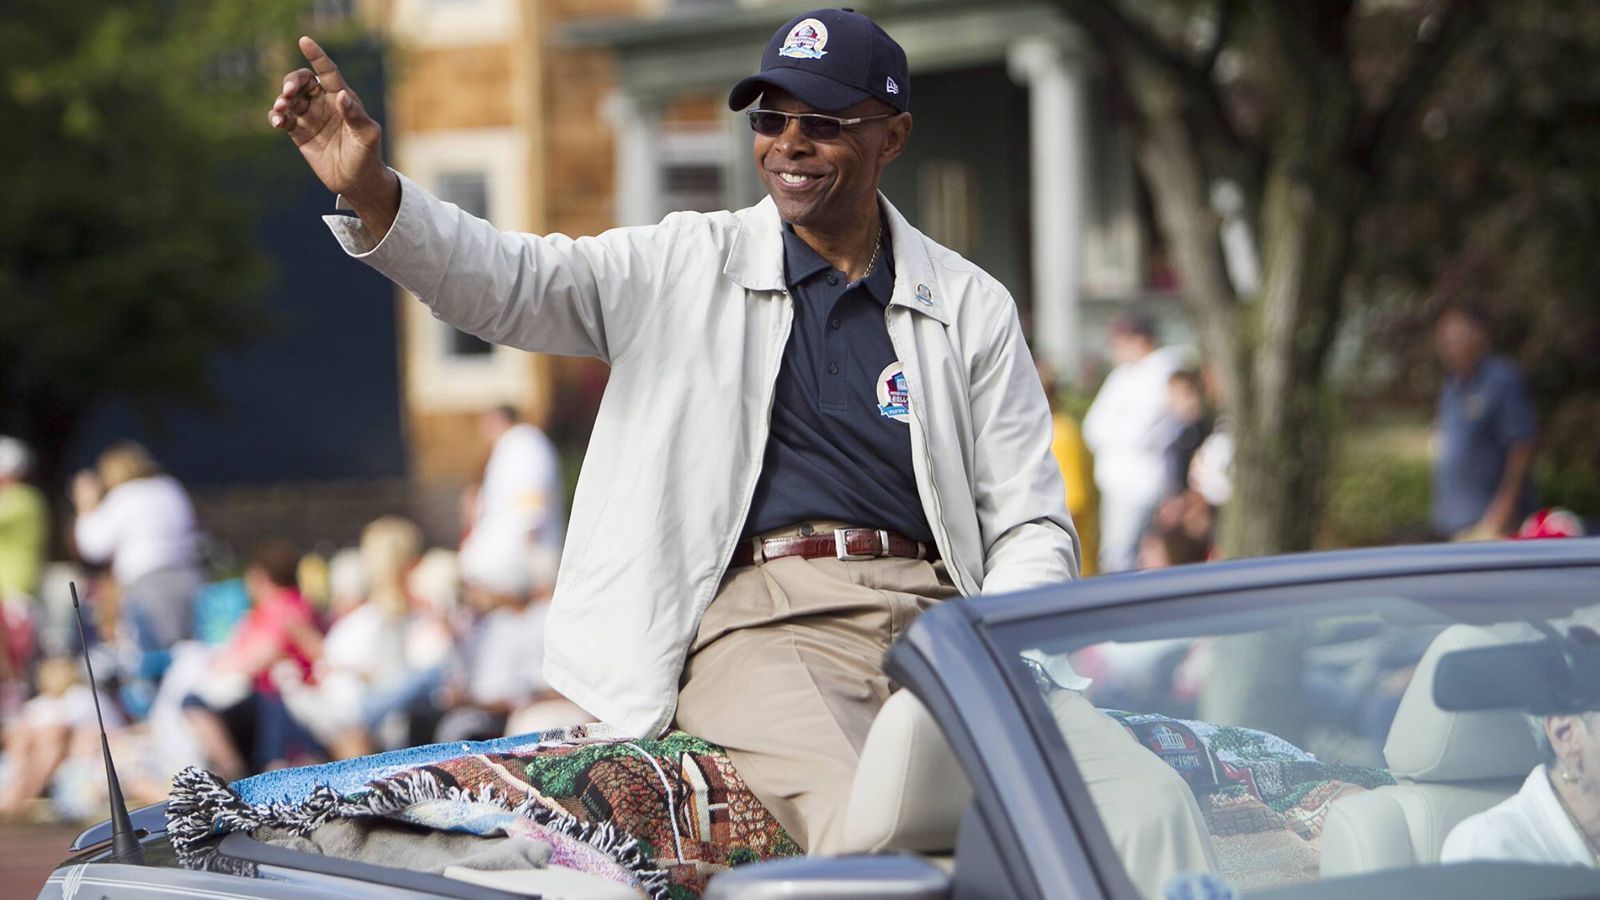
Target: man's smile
[797,181]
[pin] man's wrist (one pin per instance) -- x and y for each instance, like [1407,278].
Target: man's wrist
[377,200]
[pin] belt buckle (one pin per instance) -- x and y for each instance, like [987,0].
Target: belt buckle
[844,555]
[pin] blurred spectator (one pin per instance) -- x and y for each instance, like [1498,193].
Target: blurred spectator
[37,741]
[24,532]
[502,658]
[1077,472]
[1186,401]
[312,577]
[347,582]
[381,657]
[1484,432]
[1211,470]
[1128,428]
[1172,545]
[237,714]
[140,520]
[519,501]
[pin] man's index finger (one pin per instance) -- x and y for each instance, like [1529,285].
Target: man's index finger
[322,64]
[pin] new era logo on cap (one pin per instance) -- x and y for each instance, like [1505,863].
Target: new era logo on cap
[890,86]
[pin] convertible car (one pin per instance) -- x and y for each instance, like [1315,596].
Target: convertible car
[1334,715]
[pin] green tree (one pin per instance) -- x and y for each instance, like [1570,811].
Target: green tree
[124,261]
[1301,111]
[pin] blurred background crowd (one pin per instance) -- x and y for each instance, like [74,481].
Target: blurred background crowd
[278,655]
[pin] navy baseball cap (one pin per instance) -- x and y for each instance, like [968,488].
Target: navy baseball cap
[830,59]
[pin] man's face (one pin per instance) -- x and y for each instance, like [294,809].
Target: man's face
[828,185]
[1461,343]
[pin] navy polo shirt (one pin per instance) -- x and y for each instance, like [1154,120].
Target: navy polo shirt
[839,447]
[1480,417]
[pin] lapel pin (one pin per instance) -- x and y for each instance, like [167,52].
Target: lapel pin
[924,295]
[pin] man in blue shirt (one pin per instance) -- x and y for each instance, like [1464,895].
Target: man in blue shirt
[1484,431]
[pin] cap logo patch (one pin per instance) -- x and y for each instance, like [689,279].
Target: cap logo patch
[806,40]
[890,86]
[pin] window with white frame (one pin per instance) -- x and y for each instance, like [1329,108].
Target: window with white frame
[484,171]
[468,189]
[693,160]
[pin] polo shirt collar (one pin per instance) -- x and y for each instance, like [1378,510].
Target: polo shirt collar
[801,261]
[755,261]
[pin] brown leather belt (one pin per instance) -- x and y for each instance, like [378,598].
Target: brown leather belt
[840,543]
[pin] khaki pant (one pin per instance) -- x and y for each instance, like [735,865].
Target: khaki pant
[786,672]
[1144,804]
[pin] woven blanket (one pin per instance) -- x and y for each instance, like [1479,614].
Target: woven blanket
[1264,799]
[662,816]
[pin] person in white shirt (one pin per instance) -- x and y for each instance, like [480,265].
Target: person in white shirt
[1128,428]
[519,502]
[1555,817]
[140,520]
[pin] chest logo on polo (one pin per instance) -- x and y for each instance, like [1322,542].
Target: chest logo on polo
[894,398]
[806,40]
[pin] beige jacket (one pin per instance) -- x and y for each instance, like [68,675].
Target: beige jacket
[693,315]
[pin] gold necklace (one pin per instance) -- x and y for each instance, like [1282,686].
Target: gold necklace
[877,247]
[1587,840]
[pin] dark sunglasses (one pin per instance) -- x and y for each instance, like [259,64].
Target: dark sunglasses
[816,126]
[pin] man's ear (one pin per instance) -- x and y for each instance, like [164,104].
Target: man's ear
[899,131]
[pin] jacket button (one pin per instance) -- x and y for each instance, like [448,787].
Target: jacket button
[833,368]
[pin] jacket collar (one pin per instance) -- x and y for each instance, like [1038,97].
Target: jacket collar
[755,261]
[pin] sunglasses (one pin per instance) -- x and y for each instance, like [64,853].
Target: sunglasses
[816,126]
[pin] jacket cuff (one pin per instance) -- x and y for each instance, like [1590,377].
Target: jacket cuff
[352,233]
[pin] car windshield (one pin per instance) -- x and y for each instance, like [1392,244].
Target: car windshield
[1364,733]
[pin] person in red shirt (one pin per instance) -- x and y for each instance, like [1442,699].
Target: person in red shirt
[238,712]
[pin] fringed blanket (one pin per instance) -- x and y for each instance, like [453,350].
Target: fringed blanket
[1264,799]
[662,816]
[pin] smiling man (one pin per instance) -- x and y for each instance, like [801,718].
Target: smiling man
[818,424]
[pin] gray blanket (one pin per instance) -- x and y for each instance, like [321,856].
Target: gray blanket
[385,842]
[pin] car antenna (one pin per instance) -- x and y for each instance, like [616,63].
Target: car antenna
[125,846]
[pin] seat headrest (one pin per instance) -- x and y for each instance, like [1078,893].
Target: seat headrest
[1428,744]
[909,790]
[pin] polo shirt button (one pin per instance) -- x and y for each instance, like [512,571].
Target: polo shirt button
[833,279]
[833,368]
[833,323]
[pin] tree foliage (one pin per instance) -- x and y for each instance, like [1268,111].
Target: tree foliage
[1499,202]
[124,263]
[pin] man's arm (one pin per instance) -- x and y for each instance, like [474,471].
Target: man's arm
[1515,428]
[553,294]
[1498,517]
[1029,538]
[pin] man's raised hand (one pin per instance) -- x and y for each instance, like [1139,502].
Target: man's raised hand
[342,144]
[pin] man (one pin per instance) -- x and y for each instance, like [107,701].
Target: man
[517,507]
[1128,428]
[778,373]
[1484,433]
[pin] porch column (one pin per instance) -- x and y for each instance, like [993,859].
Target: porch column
[1057,137]
[636,121]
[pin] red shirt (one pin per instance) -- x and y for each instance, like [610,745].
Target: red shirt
[270,623]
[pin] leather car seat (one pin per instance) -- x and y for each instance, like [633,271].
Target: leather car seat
[1447,766]
[909,790]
